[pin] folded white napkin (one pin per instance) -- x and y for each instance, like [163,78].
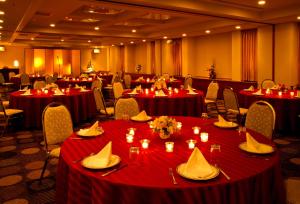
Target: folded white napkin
[255,146]
[93,130]
[298,93]
[161,93]
[142,116]
[58,92]
[82,89]
[257,92]
[197,166]
[133,91]
[191,91]
[25,88]
[138,88]
[223,122]
[101,159]
[251,88]
[172,79]
[76,86]
[27,92]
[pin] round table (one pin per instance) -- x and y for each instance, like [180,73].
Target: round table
[287,108]
[80,104]
[149,84]
[145,179]
[180,103]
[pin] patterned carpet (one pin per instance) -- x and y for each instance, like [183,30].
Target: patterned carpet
[22,156]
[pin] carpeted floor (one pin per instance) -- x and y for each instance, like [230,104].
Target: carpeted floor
[22,156]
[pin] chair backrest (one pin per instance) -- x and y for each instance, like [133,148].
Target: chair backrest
[230,99]
[11,74]
[57,124]
[39,84]
[2,109]
[116,78]
[188,82]
[127,81]
[118,89]
[212,91]
[126,106]
[2,80]
[166,76]
[261,118]
[55,76]
[267,83]
[49,79]
[160,84]
[25,79]
[99,100]
[97,83]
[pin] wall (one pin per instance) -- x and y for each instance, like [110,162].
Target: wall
[10,54]
[188,55]
[236,56]
[141,57]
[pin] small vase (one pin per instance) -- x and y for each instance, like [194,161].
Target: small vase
[164,135]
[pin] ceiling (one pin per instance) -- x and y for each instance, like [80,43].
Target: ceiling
[28,21]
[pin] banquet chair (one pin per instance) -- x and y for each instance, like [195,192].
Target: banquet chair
[57,126]
[127,81]
[55,76]
[11,74]
[166,76]
[100,103]
[261,118]
[49,79]
[39,84]
[126,106]
[211,95]
[188,81]
[7,115]
[97,83]
[117,90]
[25,81]
[116,78]
[232,105]
[267,83]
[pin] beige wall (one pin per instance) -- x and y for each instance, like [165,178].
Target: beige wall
[99,60]
[236,62]
[188,56]
[10,54]
[141,54]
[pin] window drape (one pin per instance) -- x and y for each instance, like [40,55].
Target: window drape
[249,69]
[177,56]
[152,47]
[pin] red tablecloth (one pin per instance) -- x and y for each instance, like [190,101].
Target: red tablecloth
[145,84]
[146,179]
[62,83]
[179,103]
[80,104]
[287,108]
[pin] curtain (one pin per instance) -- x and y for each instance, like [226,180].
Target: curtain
[249,69]
[299,54]
[122,59]
[177,56]
[152,57]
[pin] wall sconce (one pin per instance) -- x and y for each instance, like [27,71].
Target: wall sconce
[96,51]
[2,48]
[16,63]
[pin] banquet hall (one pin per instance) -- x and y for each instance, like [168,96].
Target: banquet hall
[175,101]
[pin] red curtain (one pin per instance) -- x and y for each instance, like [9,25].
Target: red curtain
[249,69]
[122,59]
[152,57]
[177,56]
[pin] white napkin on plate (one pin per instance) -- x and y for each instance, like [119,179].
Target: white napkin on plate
[251,88]
[101,159]
[91,130]
[76,86]
[142,116]
[255,146]
[133,91]
[138,88]
[224,122]
[82,89]
[27,92]
[25,88]
[161,93]
[197,165]
[257,92]
[58,92]
[191,91]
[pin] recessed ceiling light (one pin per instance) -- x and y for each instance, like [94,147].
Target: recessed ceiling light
[207,31]
[62,40]
[91,11]
[2,0]
[52,25]
[1,27]
[96,28]
[165,37]
[298,17]
[237,27]
[68,18]
[183,34]
[112,45]
[31,38]
[89,41]
[2,12]
[0,33]
[261,2]
[144,40]
[131,42]
[121,43]
[133,30]
[1,21]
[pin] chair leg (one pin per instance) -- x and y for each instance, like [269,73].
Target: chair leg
[44,169]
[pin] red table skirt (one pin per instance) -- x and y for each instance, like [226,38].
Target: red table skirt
[80,104]
[146,179]
[287,109]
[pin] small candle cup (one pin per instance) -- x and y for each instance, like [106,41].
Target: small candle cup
[38,92]
[196,130]
[63,90]
[191,143]
[46,91]
[90,79]
[292,93]
[145,143]
[176,90]
[151,124]
[170,88]
[156,93]
[279,93]
[268,91]
[131,131]
[204,136]
[169,146]
[170,92]
[179,125]
[129,138]
[148,80]
[152,89]
[147,91]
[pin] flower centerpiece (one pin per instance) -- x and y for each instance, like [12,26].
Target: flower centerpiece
[165,126]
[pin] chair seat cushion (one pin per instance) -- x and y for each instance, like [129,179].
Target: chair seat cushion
[10,112]
[109,111]
[5,104]
[55,152]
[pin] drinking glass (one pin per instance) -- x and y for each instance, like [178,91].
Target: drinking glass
[215,151]
[134,153]
[125,117]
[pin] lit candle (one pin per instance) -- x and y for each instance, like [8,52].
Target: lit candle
[63,90]
[279,93]
[268,91]
[176,90]
[147,91]
[170,92]
[74,79]
[38,75]
[90,79]
[129,138]
[204,136]
[179,125]
[151,124]
[196,130]
[292,93]
[156,93]
[191,143]
[170,88]
[148,80]
[145,143]
[169,146]
[77,79]
[68,90]
[38,92]
[46,91]
[152,89]
[131,131]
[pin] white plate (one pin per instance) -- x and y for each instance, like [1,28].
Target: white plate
[134,118]
[192,93]
[133,93]
[58,94]
[114,160]
[257,94]
[229,125]
[243,146]
[26,94]
[214,174]
[83,90]
[92,133]
[247,90]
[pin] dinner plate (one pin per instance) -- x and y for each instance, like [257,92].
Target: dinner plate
[91,133]
[243,146]
[90,162]
[134,118]
[133,93]
[258,94]
[83,90]
[247,90]
[228,125]
[192,93]
[58,94]
[26,94]
[214,174]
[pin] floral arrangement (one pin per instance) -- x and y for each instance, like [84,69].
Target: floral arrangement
[212,73]
[164,126]
[160,84]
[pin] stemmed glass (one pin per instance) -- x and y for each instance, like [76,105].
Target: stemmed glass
[215,151]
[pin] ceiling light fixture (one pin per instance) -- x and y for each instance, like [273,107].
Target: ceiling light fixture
[2,0]
[62,40]
[261,2]
[1,27]
[96,28]
[112,45]
[31,38]
[1,21]
[165,37]
[91,11]
[133,30]
[298,17]
[207,31]
[121,43]
[144,40]
[183,34]
[0,33]
[131,42]
[52,25]
[2,12]
[89,41]
[237,27]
